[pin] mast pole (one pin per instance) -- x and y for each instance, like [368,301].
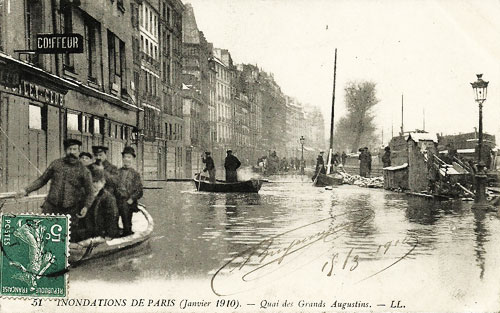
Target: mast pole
[330,152]
[333,99]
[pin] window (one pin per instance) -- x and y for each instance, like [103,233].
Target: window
[73,121]
[123,72]
[97,126]
[33,25]
[86,121]
[92,40]
[35,117]
[111,57]
[67,22]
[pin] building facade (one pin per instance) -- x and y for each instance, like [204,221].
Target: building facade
[46,98]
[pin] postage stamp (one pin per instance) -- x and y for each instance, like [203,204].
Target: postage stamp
[34,258]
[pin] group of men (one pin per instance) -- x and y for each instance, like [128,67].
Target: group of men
[94,192]
[231,164]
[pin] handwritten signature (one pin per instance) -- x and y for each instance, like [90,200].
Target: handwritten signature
[271,255]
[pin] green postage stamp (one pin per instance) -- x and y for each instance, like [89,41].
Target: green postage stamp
[34,258]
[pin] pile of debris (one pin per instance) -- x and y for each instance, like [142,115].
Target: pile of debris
[374,182]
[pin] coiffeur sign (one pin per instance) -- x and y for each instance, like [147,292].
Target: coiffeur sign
[59,43]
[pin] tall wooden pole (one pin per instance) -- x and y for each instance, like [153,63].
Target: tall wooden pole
[333,99]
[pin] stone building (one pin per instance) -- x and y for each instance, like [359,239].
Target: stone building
[45,98]
[198,89]
[224,109]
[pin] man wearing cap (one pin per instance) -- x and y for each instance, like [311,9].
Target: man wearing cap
[231,164]
[70,183]
[86,158]
[209,166]
[111,171]
[129,190]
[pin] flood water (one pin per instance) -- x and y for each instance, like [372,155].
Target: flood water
[345,244]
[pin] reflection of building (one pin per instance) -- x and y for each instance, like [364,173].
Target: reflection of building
[46,98]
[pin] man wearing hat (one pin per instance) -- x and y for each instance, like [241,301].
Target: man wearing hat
[129,190]
[70,184]
[320,165]
[111,171]
[209,166]
[231,164]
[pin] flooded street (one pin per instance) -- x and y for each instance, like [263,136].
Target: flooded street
[443,250]
[291,237]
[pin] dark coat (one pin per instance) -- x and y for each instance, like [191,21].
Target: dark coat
[70,187]
[129,184]
[102,217]
[111,174]
[386,159]
[231,163]
[209,163]
[320,163]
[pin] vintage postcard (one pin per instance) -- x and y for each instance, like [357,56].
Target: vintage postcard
[249,156]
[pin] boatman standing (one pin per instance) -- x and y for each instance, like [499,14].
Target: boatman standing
[129,190]
[70,184]
[110,171]
[209,166]
[231,164]
[320,166]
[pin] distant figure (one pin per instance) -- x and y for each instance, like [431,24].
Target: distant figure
[320,166]
[209,166]
[231,164]
[344,158]
[363,162]
[335,159]
[386,158]
[369,161]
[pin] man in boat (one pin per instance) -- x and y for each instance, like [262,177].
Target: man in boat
[129,190]
[102,217]
[86,158]
[110,171]
[70,184]
[386,158]
[209,166]
[320,166]
[231,164]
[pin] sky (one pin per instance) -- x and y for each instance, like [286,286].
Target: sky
[428,50]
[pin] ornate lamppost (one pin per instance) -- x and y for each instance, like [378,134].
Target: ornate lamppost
[302,141]
[480,88]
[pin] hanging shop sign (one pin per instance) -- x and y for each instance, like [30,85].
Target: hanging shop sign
[59,43]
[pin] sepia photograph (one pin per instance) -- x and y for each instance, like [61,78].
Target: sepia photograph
[249,156]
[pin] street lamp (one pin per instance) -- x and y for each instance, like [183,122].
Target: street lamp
[302,141]
[480,88]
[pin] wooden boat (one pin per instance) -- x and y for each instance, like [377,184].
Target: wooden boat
[332,179]
[203,184]
[142,226]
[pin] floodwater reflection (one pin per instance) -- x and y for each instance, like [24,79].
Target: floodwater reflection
[197,232]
